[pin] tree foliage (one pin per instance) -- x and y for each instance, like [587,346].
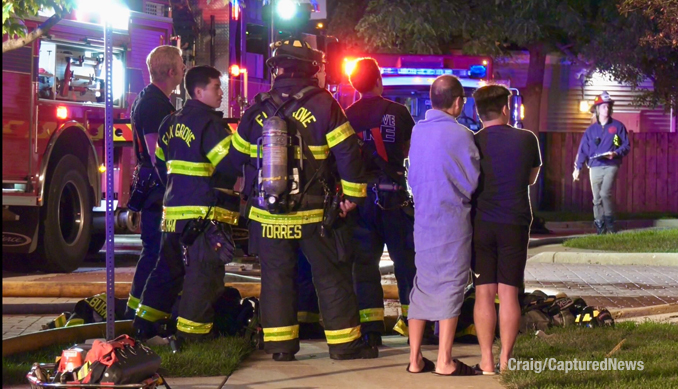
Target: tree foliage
[14,12]
[664,13]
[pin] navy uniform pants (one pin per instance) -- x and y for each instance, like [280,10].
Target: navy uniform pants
[331,270]
[377,227]
[204,281]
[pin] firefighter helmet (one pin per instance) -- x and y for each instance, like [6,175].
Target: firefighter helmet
[603,98]
[293,52]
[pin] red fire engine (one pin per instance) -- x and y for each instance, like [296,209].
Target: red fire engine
[52,137]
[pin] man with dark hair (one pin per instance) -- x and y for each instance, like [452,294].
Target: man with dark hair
[385,127]
[198,211]
[602,148]
[149,109]
[509,163]
[443,175]
[318,154]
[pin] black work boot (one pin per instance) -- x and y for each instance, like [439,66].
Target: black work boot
[365,352]
[600,226]
[283,357]
[372,339]
[609,224]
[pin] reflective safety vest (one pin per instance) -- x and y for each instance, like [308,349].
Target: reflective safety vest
[192,144]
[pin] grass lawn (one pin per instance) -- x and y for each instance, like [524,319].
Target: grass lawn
[656,344]
[218,357]
[588,216]
[643,241]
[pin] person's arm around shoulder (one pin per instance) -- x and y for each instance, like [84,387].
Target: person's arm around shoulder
[464,161]
[536,159]
[582,154]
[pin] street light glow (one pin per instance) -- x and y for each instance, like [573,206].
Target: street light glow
[287,9]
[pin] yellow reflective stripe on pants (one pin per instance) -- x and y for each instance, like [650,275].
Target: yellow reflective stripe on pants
[151,314]
[308,317]
[470,330]
[371,314]
[197,169]
[405,309]
[133,302]
[401,327]
[339,134]
[281,334]
[354,190]
[193,327]
[241,144]
[195,211]
[219,151]
[75,322]
[60,321]
[292,218]
[159,154]
[342,336]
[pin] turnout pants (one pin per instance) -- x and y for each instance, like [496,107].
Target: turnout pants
[331,269]
[204,275]
[151,216]
[309,311]
[376,228]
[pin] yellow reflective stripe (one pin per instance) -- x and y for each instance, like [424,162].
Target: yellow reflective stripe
[405,308]
[60,321]
[195,211]
[292,218]
[133,302]
[342,336]
[401,327]
[241,144]
[354,190]
[308,317]
[371,314]
[151,314]
[75,322]
[219,151]
[470,330]
[320,152]
[196,169]
[159,154]
[193,327]
[253,150]
[83,371]
[281,334]
[338,135]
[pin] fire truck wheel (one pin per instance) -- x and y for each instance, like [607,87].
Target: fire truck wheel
[66,218]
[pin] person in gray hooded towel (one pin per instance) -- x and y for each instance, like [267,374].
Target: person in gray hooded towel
[444,171]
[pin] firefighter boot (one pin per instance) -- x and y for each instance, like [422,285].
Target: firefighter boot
[600,226]
[283,357]
[372,339]
[609,224]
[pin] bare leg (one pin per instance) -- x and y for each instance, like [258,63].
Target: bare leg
[416,333]
[485,320]
[509,321]
[447,329]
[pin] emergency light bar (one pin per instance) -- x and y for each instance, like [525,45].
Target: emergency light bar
[423,72]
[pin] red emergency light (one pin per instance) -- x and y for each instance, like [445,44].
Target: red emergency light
[62,112]
[235,70]
[349,65]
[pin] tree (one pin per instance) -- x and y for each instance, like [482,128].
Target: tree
[14,12]
[664,13]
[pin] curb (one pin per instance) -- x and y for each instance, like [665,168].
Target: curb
[644,311]
[37,309]
[643,259]
[621,224]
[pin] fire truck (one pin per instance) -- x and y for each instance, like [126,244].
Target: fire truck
[407,80]
[53,136]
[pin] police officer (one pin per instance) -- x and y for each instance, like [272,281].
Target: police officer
[327,157]
[149,109]
[602,148]
[387,215]
[196,239]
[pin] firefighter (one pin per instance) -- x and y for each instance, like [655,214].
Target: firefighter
[387,216]
[149,109]
[308,314]
[308,150]
[197,213]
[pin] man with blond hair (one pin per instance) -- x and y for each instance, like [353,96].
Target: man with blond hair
[166,68]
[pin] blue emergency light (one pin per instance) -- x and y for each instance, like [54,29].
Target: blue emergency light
[477,71]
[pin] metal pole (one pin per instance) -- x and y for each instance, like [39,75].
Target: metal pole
[110,170]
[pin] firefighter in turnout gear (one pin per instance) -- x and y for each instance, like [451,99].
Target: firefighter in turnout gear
[387,217]
[197,213]
[303,173]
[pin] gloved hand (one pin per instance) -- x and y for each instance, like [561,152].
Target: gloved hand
[220,238]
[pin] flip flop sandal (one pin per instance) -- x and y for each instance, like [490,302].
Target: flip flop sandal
[461,370]
[429,366]
[480,371]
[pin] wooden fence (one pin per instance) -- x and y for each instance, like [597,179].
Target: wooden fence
[647,180]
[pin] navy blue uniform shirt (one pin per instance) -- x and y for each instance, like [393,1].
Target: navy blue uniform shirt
[599,139]
[149,109]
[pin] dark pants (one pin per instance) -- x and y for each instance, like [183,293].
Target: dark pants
[309,311]
[205,276]
[331,269]
[151,217]
[376,228]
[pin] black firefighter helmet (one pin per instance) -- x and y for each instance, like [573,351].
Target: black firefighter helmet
[297,55]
